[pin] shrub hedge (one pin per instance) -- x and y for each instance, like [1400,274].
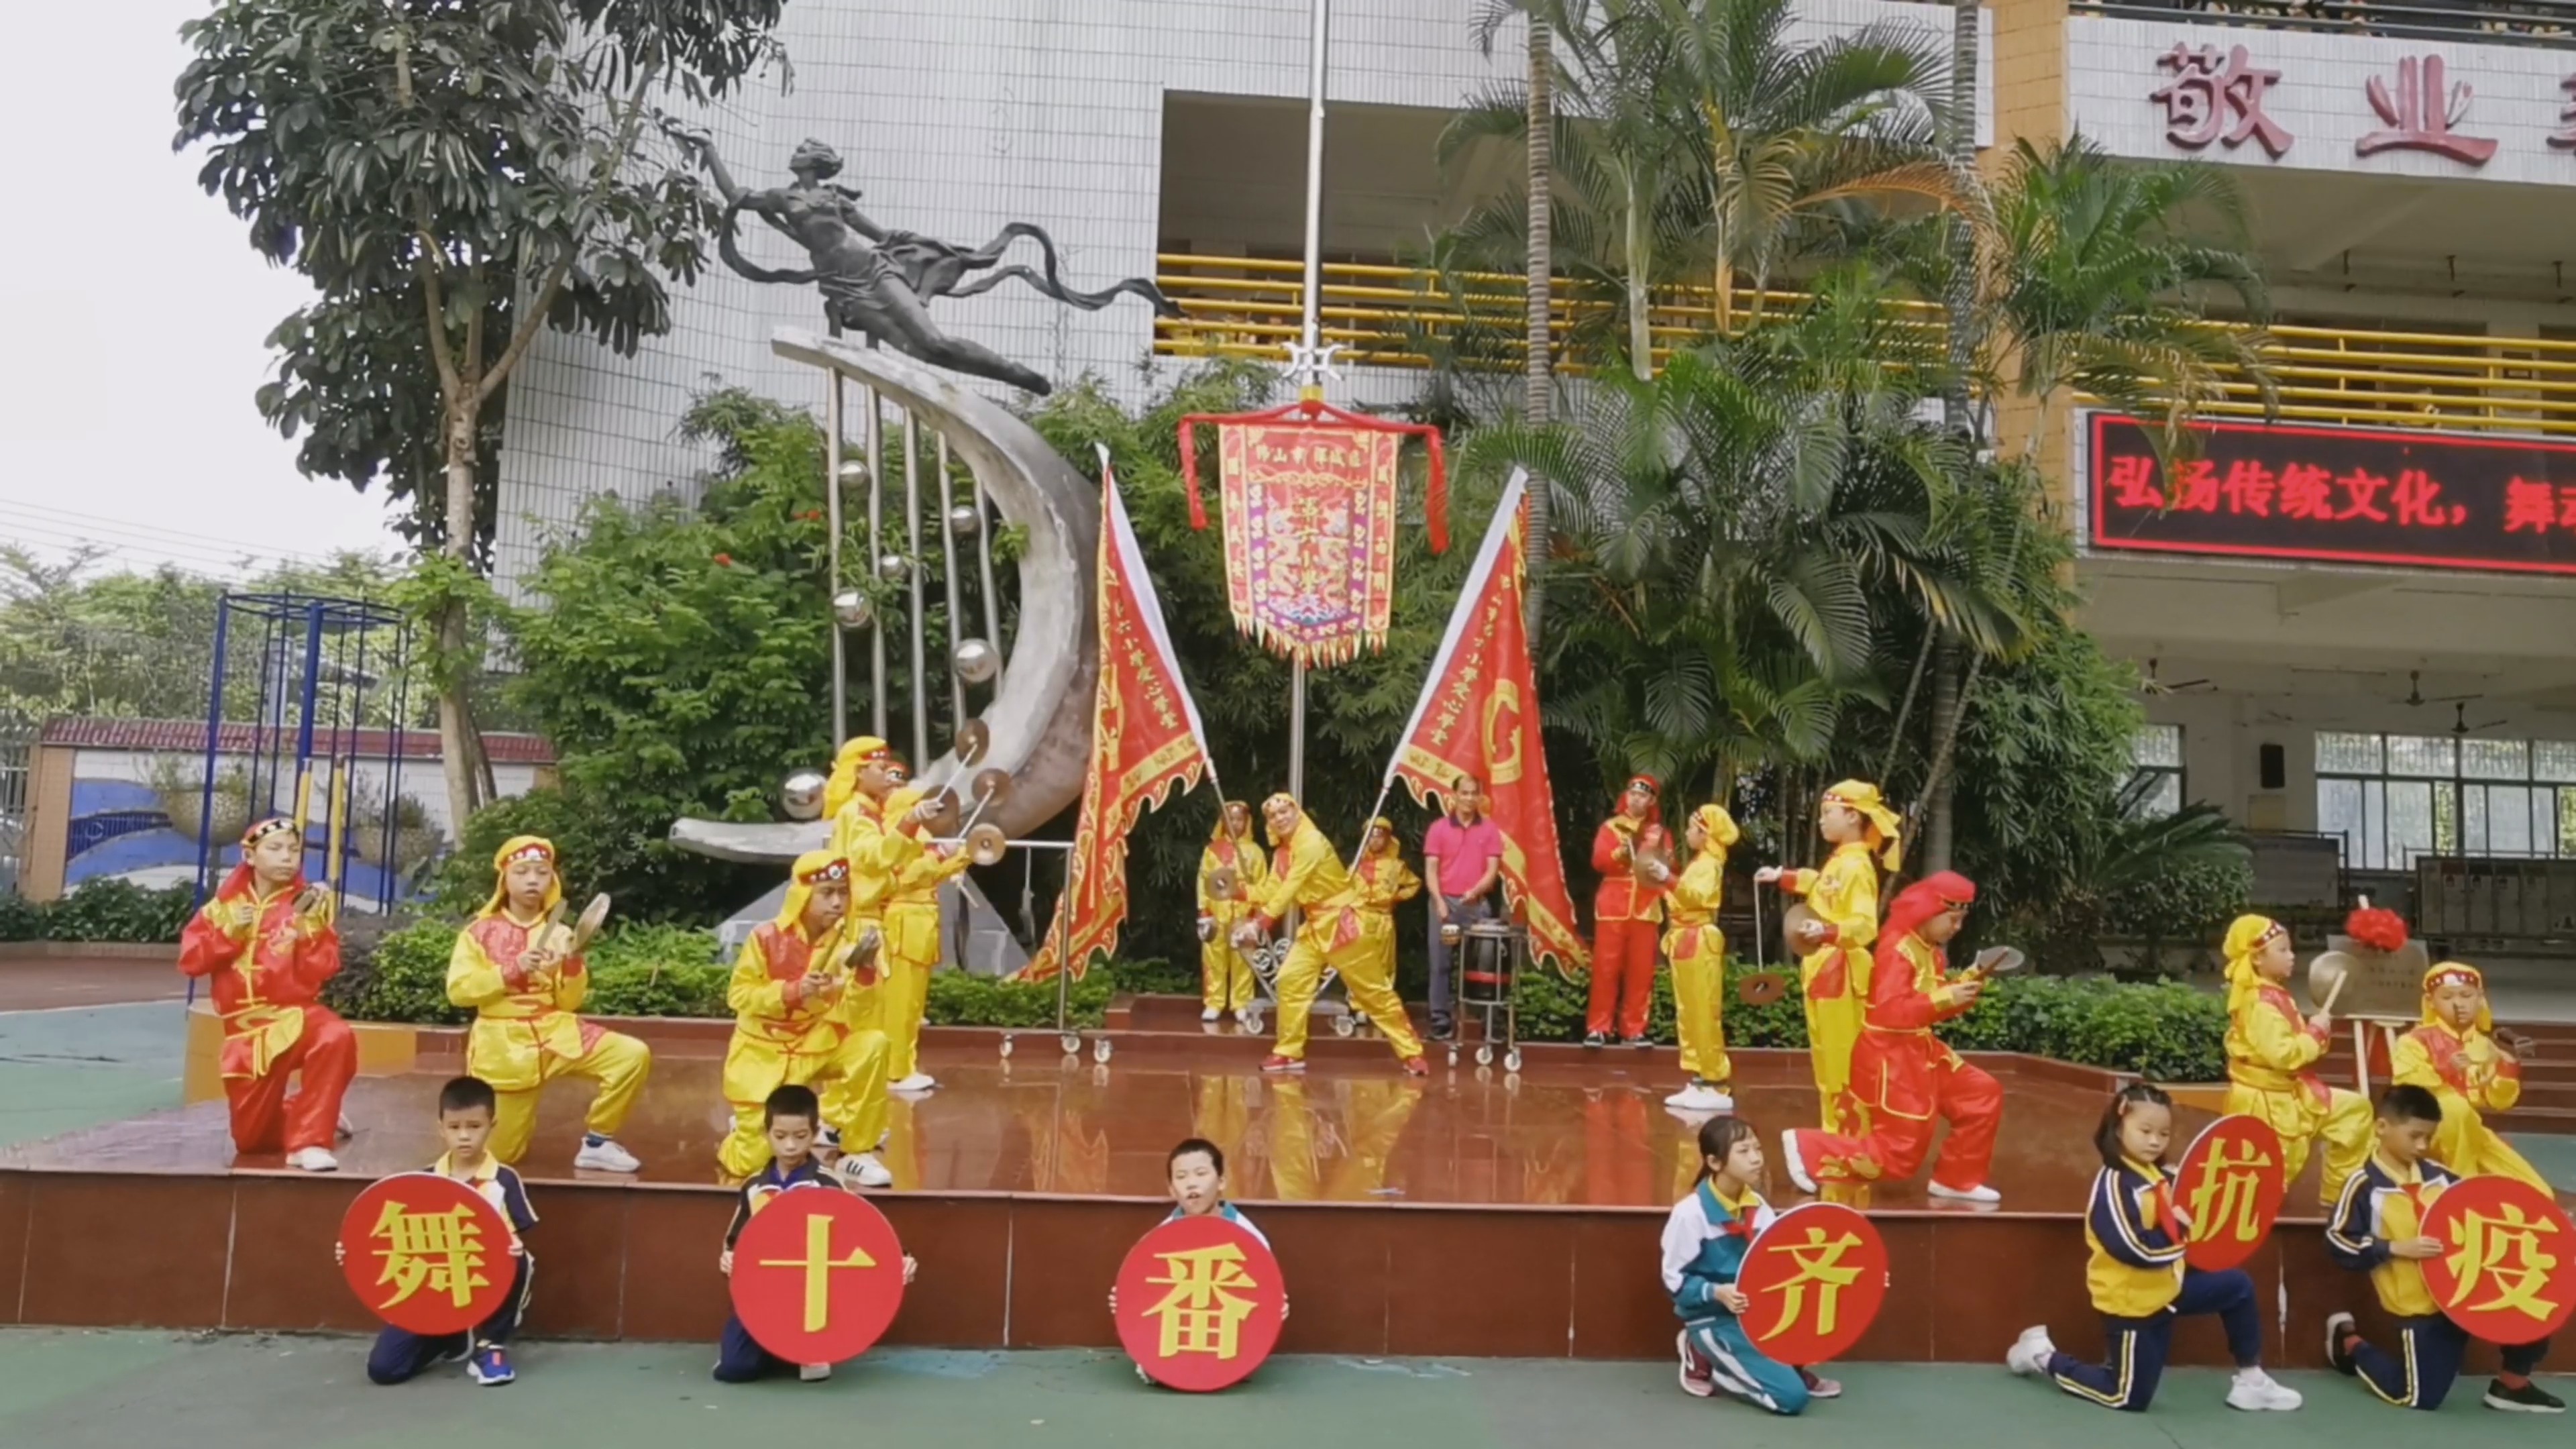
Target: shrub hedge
[101,910]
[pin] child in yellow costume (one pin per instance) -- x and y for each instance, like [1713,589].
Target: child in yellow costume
[864,773]
[525,988]
[1226,981]
[916,867]
[2269,1051]
[1697,950]
[2455,1056]
[1834,956]
[1335,931]
[789,1030]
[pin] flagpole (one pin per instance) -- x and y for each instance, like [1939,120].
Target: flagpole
[1308,364]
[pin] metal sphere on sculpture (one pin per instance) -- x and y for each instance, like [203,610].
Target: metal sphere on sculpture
[965,520]
[802,794]
[975,661]
[851,609]
[893,567]
[854,473]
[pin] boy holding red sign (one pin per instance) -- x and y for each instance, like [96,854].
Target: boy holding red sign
[1706,1239]
[2378,1228]
[791,1117]
[467,1108]
[1197,1169]
[2139,1281]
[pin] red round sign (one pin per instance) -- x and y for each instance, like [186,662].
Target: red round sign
[1200,1301]
[817,1276]
[2507,1269]
[1816,1277]
[2230,1187]
[427,1254]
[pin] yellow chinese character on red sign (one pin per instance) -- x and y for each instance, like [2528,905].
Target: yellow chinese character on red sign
[2503,1252]
[1200,1314]
[1820,1261]
[442,1252]
[818,1264]
[2229,1193]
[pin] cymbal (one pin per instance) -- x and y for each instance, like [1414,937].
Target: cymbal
[973,741]
[1999,961]
[2326,977]
[1761,988]
[1223,882]
[1794,921]
[948,816]
[993,786]
[985,844]
[593,916]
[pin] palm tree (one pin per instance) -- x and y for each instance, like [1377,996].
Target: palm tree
[1745,529]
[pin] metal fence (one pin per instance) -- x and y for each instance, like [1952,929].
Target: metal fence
[17,761]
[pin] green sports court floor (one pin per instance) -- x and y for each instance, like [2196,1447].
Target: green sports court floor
[60,1389]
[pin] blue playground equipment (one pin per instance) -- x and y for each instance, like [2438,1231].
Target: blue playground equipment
[324,741]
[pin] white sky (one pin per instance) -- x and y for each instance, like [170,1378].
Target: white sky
[135,309]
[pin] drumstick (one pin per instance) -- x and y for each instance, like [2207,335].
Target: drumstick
[2334,995]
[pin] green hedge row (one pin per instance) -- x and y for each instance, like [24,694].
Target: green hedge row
[101,910]
[2165,1031]
[648,970]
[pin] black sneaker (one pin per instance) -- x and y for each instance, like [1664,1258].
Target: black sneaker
[1595,1039]
[1443,1030]
[2531,1398]
[1638,1041]
[2339,1327]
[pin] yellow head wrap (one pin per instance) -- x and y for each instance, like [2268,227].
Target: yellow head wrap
[1862,796]
[1719,826]
[845,771]
[521,847]
[1283,797]
[1390,845]
[812,868]
[2246,938]
[2462,972]
[1218,832]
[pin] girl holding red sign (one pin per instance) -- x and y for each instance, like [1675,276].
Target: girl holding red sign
[2269,1051]
[2139,1281]
[2454,1055]
[1705,1241]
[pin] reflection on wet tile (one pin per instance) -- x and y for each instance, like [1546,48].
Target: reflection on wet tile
[1575,1129]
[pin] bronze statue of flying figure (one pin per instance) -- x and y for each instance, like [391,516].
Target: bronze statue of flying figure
[879,282]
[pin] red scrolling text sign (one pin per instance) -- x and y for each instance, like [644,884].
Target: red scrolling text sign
[1200,1301]
[2356,495]
[427,1254]
[1816,1277]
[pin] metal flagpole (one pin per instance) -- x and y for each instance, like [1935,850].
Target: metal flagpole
[1309,362]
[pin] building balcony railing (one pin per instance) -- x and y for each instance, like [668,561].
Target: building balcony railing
[1398,317]
[2495,22]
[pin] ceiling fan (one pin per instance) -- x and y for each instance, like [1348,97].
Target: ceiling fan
[2415,694]
[2152,684]
[2460,725]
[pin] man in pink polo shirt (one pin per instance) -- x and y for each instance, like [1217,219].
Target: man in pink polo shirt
[1463,855]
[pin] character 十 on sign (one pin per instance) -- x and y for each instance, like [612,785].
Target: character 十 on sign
[817,1276]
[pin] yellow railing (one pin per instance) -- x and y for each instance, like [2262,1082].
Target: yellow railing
[1387,316]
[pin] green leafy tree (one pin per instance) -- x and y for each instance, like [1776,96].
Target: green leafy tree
[454,176]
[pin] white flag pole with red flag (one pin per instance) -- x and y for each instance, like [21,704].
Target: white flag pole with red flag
[1145,738]
[1478,716]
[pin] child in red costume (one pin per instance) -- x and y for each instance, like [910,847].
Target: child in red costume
[1625,915]
[1902,1074]
[267,941]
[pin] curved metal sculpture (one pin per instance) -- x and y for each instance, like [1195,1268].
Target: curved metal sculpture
[1040,719]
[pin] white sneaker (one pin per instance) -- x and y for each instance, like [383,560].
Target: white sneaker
[1210,1014]
[917,1082]
[861,1169]
[2256,1390]
[2030,1353]
[606,1156]
[1980,1193]
[1700,1097]
[814,1373]
[347,1128]
[1792,1164]
[312,1159]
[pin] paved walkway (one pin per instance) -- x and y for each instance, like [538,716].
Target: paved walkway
[66,1390]
[64,1070]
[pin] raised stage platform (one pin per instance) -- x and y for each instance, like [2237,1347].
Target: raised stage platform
[1477,1213]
